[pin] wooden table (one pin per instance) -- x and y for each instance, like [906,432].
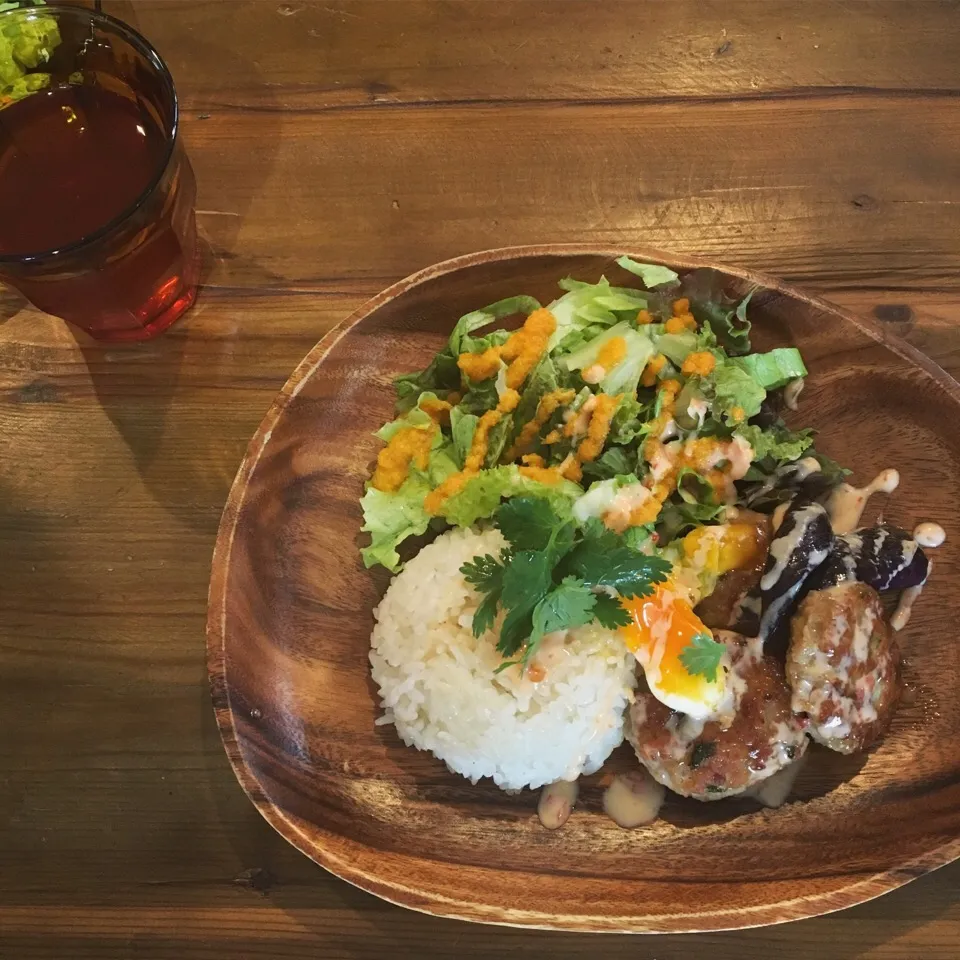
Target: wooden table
[339,146]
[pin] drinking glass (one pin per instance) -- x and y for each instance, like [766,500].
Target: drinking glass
[97,222]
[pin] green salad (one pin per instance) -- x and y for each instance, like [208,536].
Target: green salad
[597,433]
[25,44]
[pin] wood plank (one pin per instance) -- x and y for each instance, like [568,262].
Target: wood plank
[292,55]
[808,190]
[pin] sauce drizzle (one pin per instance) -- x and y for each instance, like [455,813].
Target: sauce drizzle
[556,803]
[929,535]
[633,799]
[847,503]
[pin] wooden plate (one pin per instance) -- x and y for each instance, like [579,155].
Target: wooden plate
[290,616]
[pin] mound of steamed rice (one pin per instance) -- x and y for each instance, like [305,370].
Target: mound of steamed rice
[439,688]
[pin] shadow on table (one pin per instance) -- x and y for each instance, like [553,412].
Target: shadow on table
[162,394]
[11,303]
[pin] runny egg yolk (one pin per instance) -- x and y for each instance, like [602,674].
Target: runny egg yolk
[663,626]
[725,547]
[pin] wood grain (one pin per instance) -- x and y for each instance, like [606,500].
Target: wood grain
[122,831]
[291,614]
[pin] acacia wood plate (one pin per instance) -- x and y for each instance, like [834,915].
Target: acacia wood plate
[290,616]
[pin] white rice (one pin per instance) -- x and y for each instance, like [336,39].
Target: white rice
[438,686]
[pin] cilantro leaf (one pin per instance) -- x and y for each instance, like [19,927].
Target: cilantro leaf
[563,608]
[609,612]
[528,522]
[485,573]
[486,614]
[702,656]
[526,576]
[630,573]
[526,580]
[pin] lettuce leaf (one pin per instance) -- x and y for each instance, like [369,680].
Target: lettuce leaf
[778,443]
[599,498]
[734,387]
[415,417]
[613,462]
[441,375]
[676,346]
[544,378]
[460,339]
[709,303]
[390,518]
[591,305]
[652,274]
[481,495]
[774,369]
[463,425]
[625,376]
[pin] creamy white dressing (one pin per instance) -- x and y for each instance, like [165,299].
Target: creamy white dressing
[930,535]
[663,459]
[697,410]
[581,417]
[774,791]
[847,503]
[594,373]
[791,393]
[901,616]
[670,431]
[862,631]
[806,466]
[627,499]
[633,799]
[782,547]
[556,803]
[779,514]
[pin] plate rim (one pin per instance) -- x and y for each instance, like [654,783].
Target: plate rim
[431,903]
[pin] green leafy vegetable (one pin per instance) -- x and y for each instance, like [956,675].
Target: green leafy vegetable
[391,517]
[734,387]
[624,377]
[774,369]
[587,308]
[565,607]
[702,656]
[609,612]
[529,523]
[480,496]
[677,346]
[486,574]
[25,44]
[652,275]
[601,564]
[553,576]
[777,442]
[710,305]
[462,427]
[442,374]
[614,461]
[459,342]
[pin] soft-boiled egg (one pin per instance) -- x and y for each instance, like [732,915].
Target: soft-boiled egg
[664,625]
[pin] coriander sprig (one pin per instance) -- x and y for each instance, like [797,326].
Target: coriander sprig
[555,575]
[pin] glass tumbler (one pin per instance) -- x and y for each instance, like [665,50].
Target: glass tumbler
[97,222]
